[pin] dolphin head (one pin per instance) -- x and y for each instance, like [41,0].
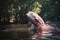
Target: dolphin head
[35,17]
[32,17]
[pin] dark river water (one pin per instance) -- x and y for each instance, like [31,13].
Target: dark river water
[14,32]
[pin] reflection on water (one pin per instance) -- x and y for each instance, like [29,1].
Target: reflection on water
[21,33]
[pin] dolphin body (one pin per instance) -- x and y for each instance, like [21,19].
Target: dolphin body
[39,24]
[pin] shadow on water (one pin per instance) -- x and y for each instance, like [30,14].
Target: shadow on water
[20,32]
[14,32]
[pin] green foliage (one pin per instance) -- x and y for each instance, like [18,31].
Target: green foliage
[18,8]
[21,7]
[36,7]
[48,11]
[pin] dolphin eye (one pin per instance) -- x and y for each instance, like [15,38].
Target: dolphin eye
[31,13]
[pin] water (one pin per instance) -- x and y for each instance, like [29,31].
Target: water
[16,34]
[55,35]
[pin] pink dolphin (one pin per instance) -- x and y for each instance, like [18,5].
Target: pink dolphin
[39,24]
